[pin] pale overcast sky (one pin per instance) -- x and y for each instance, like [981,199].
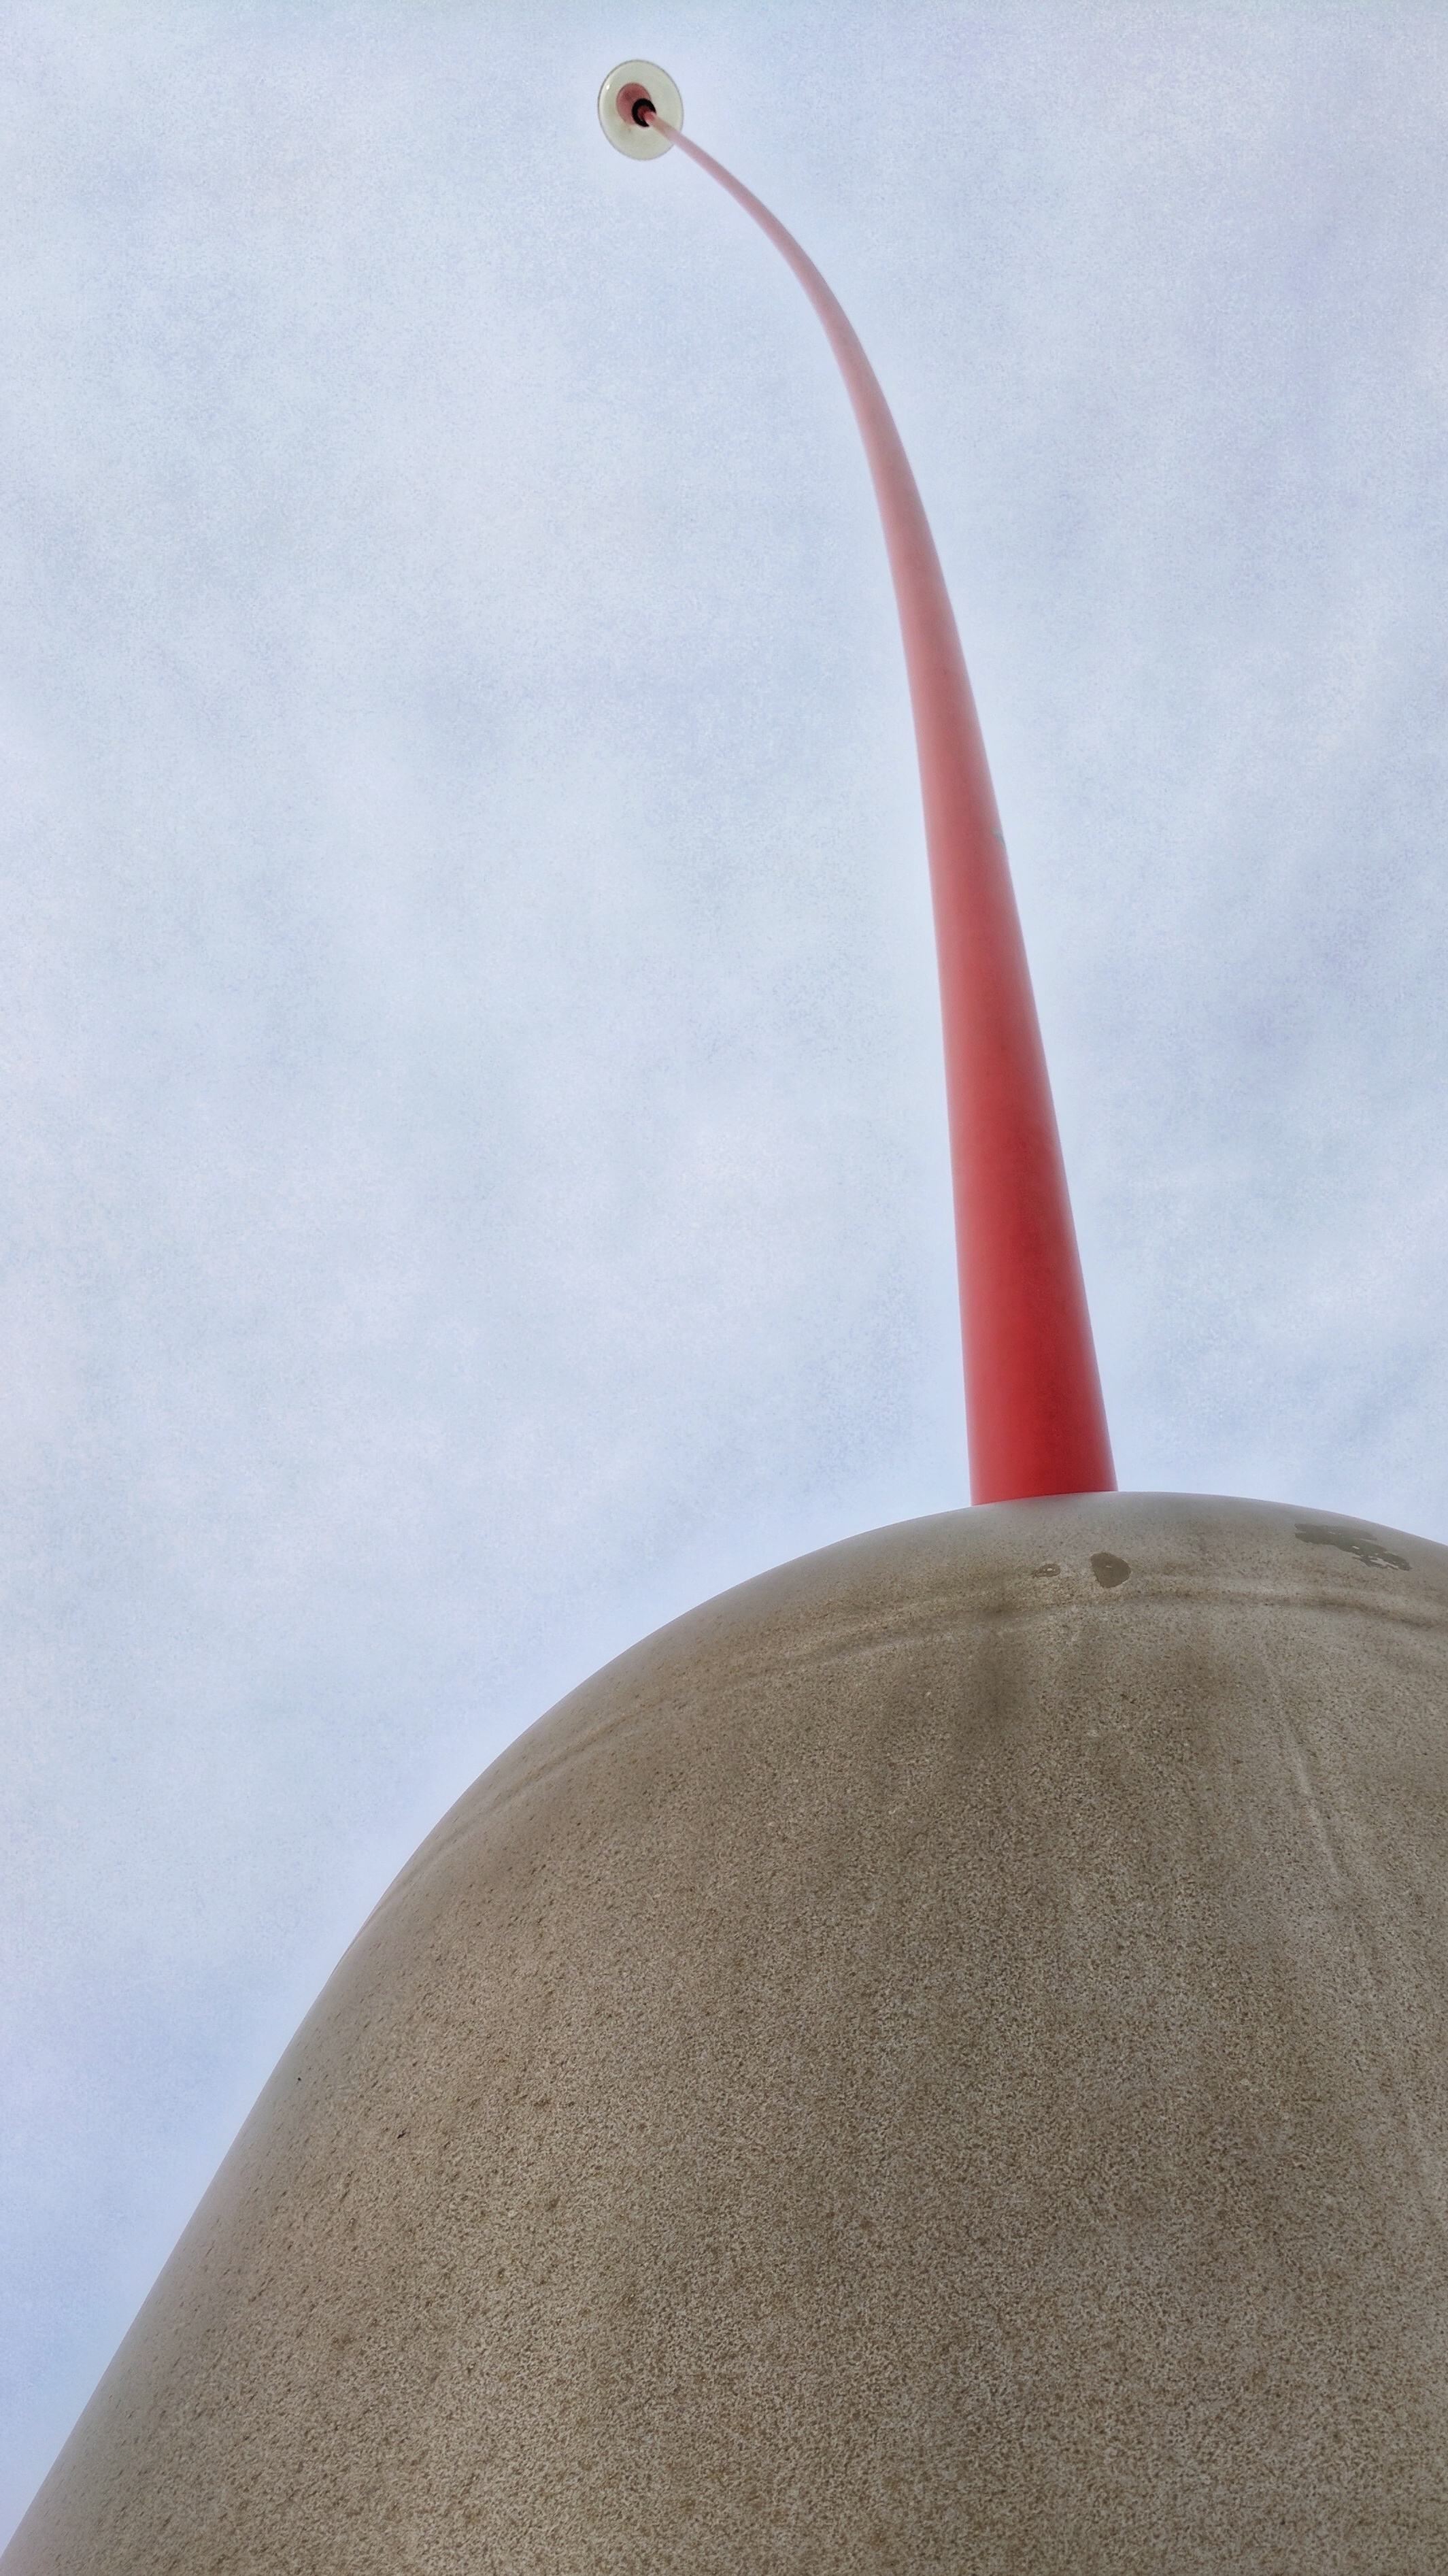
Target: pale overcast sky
[473,1155]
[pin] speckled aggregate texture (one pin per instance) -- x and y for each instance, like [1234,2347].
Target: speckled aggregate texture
[937,2061]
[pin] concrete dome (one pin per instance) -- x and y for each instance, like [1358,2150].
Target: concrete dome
[935,2061]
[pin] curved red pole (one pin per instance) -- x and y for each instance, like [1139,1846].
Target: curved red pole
[1034,1414]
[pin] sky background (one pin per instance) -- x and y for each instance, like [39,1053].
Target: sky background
[472,1151]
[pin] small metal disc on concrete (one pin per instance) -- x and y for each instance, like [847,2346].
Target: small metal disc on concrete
[626,88]
[937,2061]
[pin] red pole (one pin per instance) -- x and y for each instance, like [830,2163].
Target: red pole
[1034,1414]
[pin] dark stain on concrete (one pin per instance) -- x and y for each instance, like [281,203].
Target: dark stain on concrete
[1109,1570]
[1353,1543]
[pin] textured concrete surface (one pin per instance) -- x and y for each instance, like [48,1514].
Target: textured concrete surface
[937,2061]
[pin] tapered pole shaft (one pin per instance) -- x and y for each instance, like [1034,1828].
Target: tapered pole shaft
[1034,1414]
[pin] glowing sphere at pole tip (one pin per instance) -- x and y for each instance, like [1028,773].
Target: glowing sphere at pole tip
[626,86]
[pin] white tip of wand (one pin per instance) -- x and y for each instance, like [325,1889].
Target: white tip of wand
[629,88]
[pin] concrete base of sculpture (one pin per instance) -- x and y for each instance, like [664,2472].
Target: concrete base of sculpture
[937,2062]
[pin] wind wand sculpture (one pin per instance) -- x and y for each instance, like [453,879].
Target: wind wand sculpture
[1034,1414]
[937,2060]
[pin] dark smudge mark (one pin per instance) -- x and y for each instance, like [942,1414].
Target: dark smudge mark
[1045,1569]
[1109,1570]
[1352,1542]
